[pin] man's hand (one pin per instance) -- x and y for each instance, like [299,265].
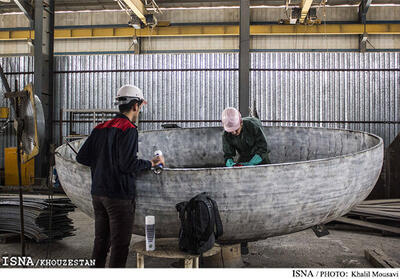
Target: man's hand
[157,160]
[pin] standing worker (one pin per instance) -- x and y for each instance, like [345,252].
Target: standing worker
[244,136]
[111,153]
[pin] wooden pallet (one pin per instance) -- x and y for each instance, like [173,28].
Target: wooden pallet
[379,259]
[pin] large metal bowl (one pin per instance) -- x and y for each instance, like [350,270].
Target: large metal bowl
[317,175]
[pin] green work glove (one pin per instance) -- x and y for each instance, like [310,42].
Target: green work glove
[230,163]
[254,161]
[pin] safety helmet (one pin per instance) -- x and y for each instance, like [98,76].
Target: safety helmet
[231,119]
[128,93]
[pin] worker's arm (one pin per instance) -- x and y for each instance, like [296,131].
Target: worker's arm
[254,161]
[128,161]
[261,146]
[229,150]
[84,155]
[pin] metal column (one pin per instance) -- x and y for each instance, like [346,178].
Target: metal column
[244,58]
[362,16]
[43,78]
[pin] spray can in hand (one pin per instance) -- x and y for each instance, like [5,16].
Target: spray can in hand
[159,168]
[150,233]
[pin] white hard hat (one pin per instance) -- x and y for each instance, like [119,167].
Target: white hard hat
[127,93]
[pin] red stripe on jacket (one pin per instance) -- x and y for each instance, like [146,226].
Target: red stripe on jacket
[119,123]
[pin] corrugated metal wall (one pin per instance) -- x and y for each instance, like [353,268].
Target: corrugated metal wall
[344,90]
[177,87]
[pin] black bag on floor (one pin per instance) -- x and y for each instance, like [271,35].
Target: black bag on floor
[200,224]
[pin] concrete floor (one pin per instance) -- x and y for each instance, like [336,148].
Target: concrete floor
[299,250]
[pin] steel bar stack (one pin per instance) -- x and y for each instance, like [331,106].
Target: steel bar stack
[376,215]
[44,219]
[378,210]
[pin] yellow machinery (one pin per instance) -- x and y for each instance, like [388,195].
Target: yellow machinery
[11,169]
[4,112]
[31,123]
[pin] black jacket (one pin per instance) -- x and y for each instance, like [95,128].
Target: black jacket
[111,153]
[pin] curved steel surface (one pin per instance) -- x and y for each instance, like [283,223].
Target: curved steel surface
[317,175]
[34,124]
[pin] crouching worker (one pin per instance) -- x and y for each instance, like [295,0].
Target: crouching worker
[244,136]
[111,153]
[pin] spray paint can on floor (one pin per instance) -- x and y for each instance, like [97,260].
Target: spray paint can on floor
[150,233]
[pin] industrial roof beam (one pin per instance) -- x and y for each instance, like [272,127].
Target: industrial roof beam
[244,57]
[209,31]
[137,8]
[305,6]
[26,8]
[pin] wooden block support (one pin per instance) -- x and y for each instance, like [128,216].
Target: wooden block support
[196,262]
[189,263]
[139,260]
[379,259]
[230,256]
[168,248]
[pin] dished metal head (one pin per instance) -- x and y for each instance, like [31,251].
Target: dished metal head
[33,132]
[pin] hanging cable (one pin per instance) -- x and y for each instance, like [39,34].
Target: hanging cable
[51,200]
[123,6]
[4,126]
[153,4]
[323,2]
[369,42]
[287,8]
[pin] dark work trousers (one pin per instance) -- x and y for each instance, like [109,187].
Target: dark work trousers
[113,229]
